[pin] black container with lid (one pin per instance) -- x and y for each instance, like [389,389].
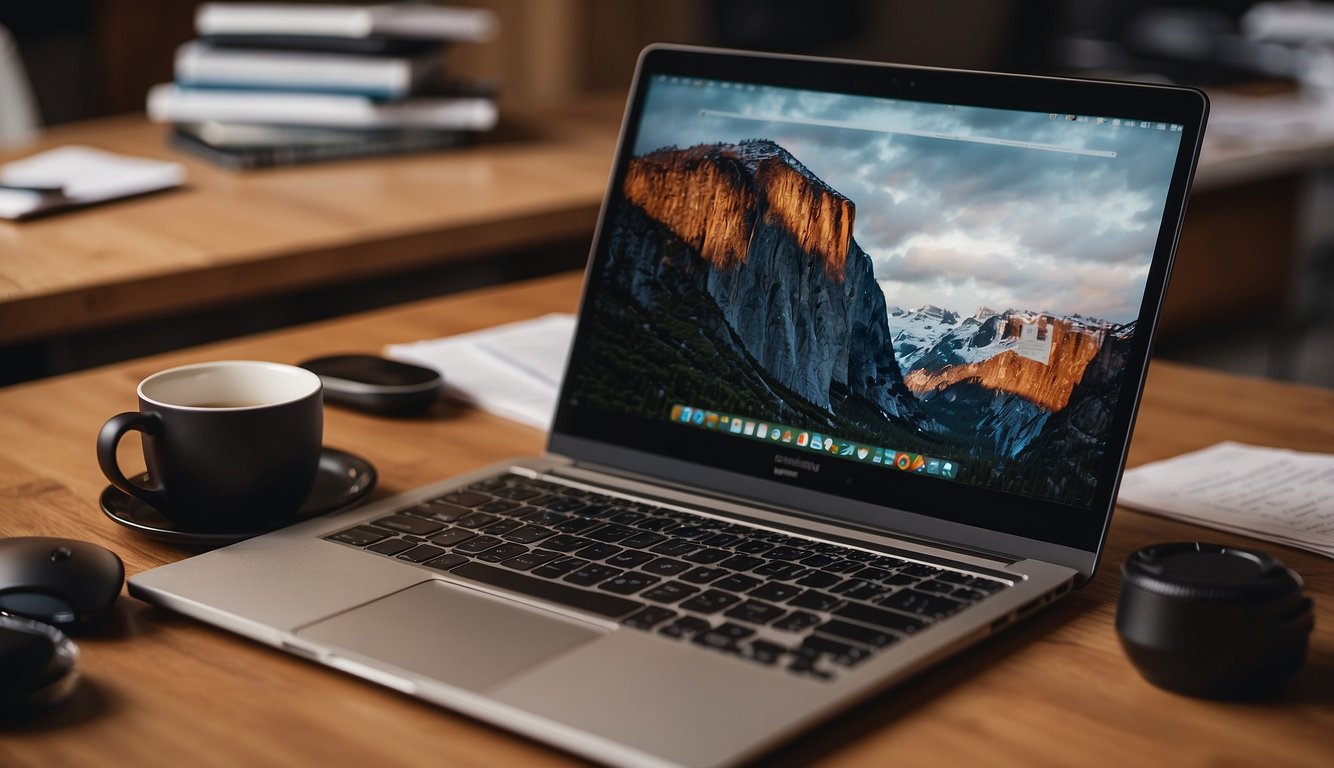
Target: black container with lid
[1211,620]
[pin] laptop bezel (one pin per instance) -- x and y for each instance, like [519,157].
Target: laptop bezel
[1187,107]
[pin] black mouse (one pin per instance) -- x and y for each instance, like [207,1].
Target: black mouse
[69,584]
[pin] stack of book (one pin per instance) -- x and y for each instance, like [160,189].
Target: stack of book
[280,84]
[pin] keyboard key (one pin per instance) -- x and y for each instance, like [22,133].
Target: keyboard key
[815,601]
[741,562]
[967,594]
[452,536]
[626,516]
[529,534]
[567,504]
[643,539]
[888,563]
[591,574]
[390,547]
[753,546]
[502,552]
[530,560]
[710,601]
[872,638]
[408,524]
[921,603]
[842,653]
[517,493]
[786,553]
[900,580]
[737,583]
[817,561]
[421,553]
[628,583]
[721,540]
[755,612]
[476,520]
[669,592]
[600,603]
[557,568]
[881,618]
[872,574]
[611,532]
[818,579]
[674,547]
[466,498]
[866,591]
[796,621]
[629,558]
[358,537]
[477,544]
[666,566]
[446,562]
[597,551]
[775,592]
[708,556]
[686,626]
[439,510]
[986,585]
[577,524]
[563,543]
[842,566]
[763,652]
[704,574]
[503,526]
[723,638]
[917,569]
[649,617]
[936,587]
[778,569]
[499,506]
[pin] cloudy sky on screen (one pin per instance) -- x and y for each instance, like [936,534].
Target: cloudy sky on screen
[959,224]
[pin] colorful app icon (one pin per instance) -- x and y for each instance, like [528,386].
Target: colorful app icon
[803,439]
[863,452]
[698,418]
[947,470]
[711,420]
[736,425]
[846,449]
[879,456]
[687,414]
[829,444]
[750,428]
[676,412]
[787,435]
[933,467]
[774,434]
[908,462]
[817,442]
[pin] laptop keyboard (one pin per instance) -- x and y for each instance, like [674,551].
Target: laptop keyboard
[809,607]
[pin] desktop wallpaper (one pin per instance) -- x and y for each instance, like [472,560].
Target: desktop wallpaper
[954,281]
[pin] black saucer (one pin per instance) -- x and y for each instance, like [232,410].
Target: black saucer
[343,481]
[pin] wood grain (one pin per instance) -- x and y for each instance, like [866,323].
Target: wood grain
[166,691]
[227,237]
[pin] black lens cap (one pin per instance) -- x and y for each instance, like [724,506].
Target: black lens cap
[1211,620]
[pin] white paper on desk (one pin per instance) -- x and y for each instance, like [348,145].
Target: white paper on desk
[1269,493]
[84,175]
[512,370]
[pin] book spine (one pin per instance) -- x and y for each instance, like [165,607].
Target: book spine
[253,158]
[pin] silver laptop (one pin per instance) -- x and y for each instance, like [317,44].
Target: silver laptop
[856,367]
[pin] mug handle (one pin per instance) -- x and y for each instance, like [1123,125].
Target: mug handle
[109,438]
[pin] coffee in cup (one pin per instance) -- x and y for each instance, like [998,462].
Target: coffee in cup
[230,446]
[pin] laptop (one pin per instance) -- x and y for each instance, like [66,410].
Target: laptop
[856,366]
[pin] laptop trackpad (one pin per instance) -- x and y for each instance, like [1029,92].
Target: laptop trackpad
[452,634]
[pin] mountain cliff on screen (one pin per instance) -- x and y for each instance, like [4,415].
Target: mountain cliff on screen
[734,280]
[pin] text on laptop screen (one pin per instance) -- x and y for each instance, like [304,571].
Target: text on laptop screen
[943,290]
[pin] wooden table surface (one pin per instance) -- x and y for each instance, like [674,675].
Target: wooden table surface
[229,237]
[161,690]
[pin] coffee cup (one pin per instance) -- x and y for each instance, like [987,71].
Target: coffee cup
[230,446]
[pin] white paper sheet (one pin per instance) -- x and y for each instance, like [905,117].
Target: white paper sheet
[78,175]
[1270,493]
[512,370]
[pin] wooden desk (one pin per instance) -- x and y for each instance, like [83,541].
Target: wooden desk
[162,690]
[229,237]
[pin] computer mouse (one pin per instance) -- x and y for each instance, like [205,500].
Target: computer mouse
[69,584]
[38,665]
[375,384]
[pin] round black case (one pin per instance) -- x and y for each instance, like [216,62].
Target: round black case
[1213,621]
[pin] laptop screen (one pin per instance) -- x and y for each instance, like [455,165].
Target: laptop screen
[887,296]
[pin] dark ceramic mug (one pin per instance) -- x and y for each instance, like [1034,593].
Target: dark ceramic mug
[229,445]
